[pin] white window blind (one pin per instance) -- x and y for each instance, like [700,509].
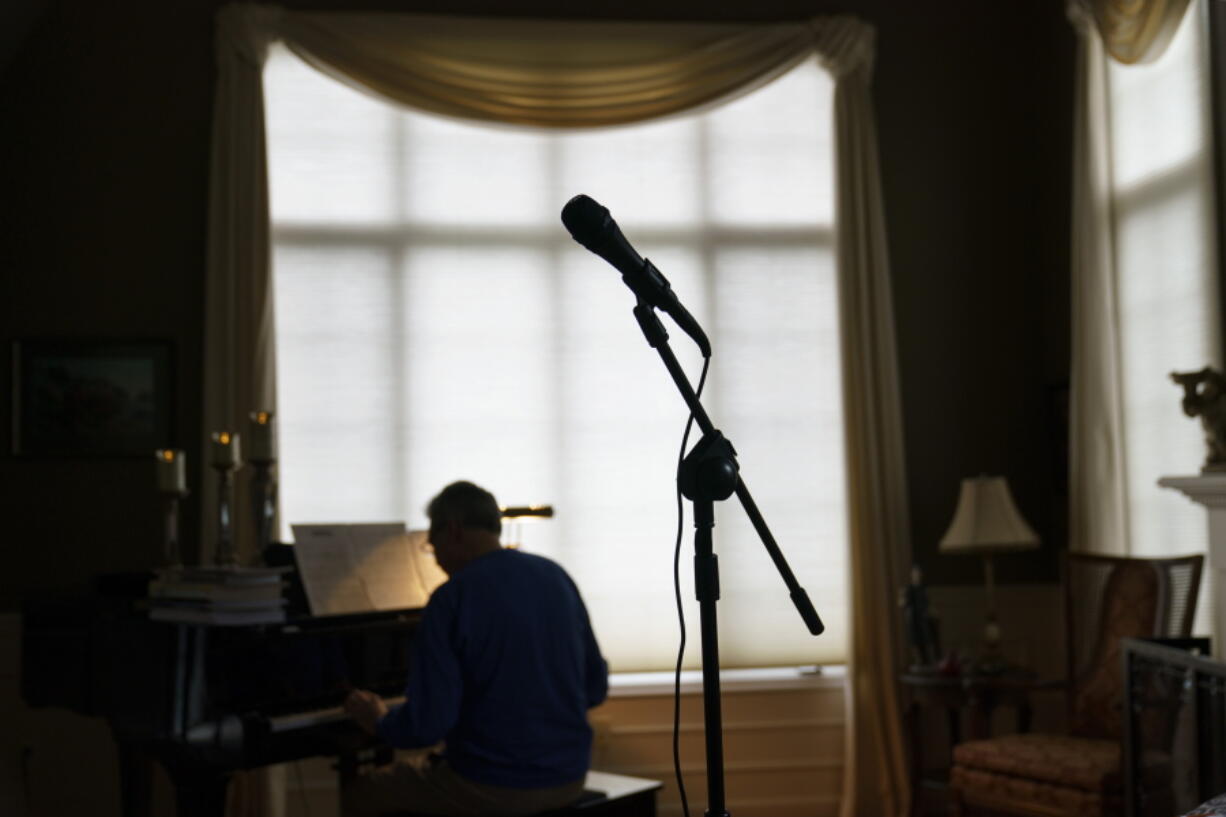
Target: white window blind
[435,321]
[1161,198]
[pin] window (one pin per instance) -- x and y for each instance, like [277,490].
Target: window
[436,322]
[1162,217]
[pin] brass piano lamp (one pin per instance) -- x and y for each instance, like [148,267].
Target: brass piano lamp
[516,515]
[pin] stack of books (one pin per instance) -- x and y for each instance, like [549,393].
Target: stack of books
[218,595]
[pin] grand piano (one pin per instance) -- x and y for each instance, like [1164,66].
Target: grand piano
[205,701]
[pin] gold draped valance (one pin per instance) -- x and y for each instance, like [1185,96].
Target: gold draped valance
[1135,31]
[555,74]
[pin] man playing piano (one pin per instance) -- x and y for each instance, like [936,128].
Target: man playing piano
[502,671]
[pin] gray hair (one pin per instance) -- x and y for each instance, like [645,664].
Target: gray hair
[470,505]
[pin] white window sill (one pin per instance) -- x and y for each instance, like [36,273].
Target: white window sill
[631,684]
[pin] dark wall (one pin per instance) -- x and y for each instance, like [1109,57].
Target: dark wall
[104,156]
[974,111]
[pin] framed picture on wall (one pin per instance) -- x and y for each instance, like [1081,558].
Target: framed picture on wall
[91,398]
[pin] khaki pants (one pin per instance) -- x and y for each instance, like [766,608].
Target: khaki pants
[427,785]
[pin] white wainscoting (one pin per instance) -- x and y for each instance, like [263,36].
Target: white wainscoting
[783,742]
[783,746]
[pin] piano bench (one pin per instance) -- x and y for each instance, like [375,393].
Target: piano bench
[604,795]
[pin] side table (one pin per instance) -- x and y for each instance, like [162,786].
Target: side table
[976,695]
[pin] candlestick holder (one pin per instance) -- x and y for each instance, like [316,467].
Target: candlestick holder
[263,483]
[172,485]
[171,552]
[225,515]
[225,458]
[263,502]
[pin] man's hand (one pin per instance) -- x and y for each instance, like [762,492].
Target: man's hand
[366,708]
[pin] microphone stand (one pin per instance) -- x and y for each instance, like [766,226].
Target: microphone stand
[710,473]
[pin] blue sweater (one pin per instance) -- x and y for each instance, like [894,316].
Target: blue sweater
[504,667]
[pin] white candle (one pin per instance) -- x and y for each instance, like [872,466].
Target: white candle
[171,471]
[263,439]
[224,450]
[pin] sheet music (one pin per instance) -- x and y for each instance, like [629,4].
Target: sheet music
[364,567]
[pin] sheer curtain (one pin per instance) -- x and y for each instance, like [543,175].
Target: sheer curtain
[626,73]
[1145,291]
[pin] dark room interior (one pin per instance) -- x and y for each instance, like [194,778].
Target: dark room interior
[105,153]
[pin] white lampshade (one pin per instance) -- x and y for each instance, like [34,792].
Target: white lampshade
[986,520]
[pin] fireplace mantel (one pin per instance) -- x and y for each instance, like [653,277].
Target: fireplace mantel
[1210,490]
[1207,489]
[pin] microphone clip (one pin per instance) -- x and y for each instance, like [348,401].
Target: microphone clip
[650,323]
[650,286]
[649,283]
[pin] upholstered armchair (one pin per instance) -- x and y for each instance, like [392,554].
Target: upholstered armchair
[1078,774]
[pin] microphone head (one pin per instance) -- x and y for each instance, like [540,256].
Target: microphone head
[587,221]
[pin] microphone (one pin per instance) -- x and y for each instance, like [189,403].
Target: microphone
[591,225]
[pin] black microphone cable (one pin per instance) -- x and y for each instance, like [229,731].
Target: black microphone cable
[689,424]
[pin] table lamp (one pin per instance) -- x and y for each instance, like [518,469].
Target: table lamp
[986,522]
